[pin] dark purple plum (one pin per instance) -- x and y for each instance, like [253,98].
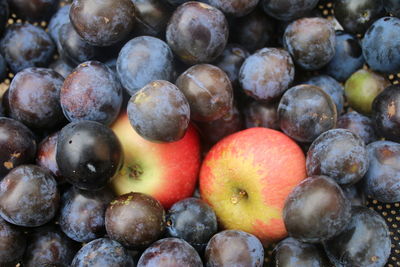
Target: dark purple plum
[234,248]
[288,10]
[267,74]
[82,213]
[231,60]
[103,252]
[382,180]
[208,90]
[17,145]
[348,57]
[28,196]
[392,7]
[48,245]
[46,156]
[236,8]
[3,68]
[88,154]
[311,42]
[26,45]
[152,17]
[12,243]
[159,112]
[358,124]
[291,252]
[59,18]
[257,114]
[356,16]
[135,220]
[316,210]
[143,60]
[384,113]
[364,242]
[305,112]
[339,154]
[61,67]
[170,252]
[197,33]
[34,10]
[103,23]
[383,56]
[253,31]
[34,98]
[193,220]
[355,194]
[330,86]
[91,92]
[4,13]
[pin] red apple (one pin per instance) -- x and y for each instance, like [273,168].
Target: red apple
[167,171]
[246,178]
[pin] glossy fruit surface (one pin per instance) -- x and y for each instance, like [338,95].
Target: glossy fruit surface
[46,156]
[316,210]
[135,220]
[28,196]
[88,154]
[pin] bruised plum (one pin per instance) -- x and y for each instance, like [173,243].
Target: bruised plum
[159,112]
[91,92]
[135,220]
[358,124]
[197,33]
[316,210]
[339,154]
[28,196]
[103,252]
[267,74]
[234,248]
[34,98]
[311,42]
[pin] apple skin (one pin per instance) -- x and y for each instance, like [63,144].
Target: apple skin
[167,171]
[246,178]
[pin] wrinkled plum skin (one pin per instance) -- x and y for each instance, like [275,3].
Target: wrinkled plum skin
[61,67]
[34,98]
[36,52]
[34,10]
[258,114]
[135,220]
[267,74]
[290,252]
[364,242]
[358,124]
[193,220]
[392,6]
[288,9]
[159,112]
[46,156]
[385,113]
[236,8]
[306,111]
[91,92]
[311,42]
[82,213]
[18,145]
[208,90]
[59,18]
[28,196]
[110,22]
[382,181]
[170,252]
[383,56]
[331,87]
[152,17]
[4,13]
[231,60]
[339,154]
[348,57]
[357,16]
[316,210]
[88,154]
[143,60]
[248,250]
[253,31]
[103,252]
[48,245]
[12,242]
[197,33]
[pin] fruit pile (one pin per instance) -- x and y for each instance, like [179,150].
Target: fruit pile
[173,133]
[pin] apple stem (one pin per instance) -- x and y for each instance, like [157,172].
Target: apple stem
[135,171]
[235,199]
